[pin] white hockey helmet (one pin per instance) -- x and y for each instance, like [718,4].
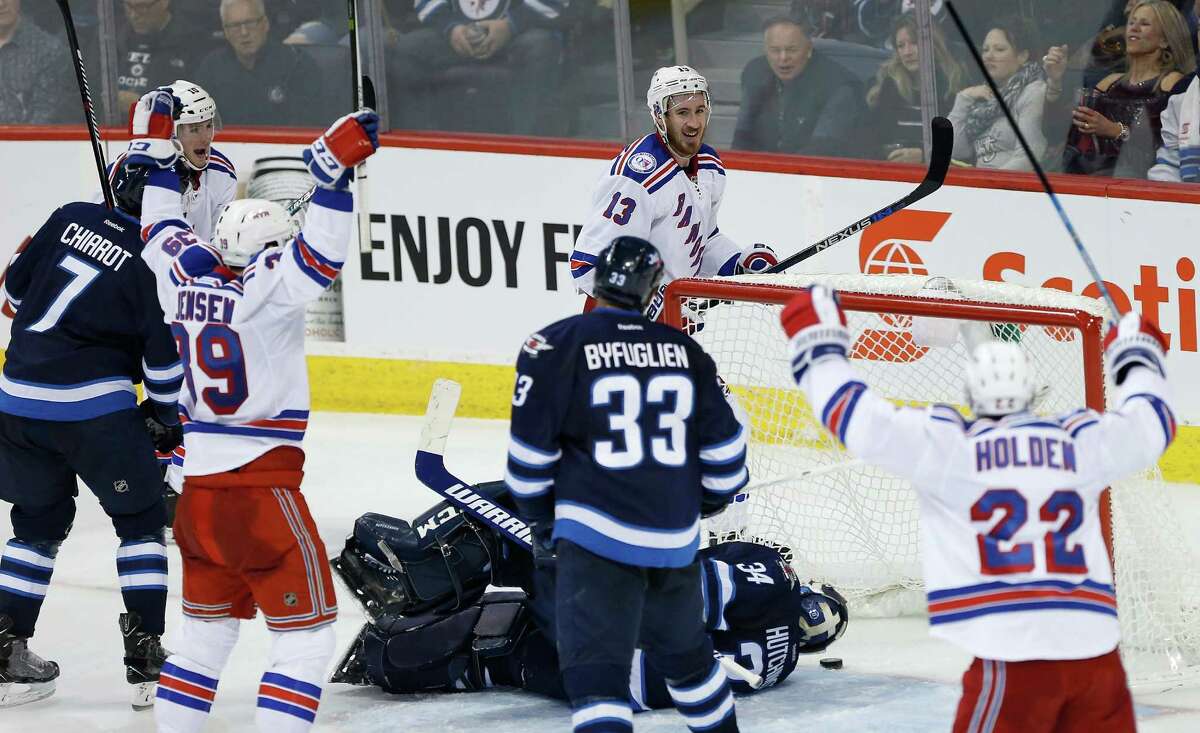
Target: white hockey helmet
[999,380]
[196,105]
[248,226]
[666,83]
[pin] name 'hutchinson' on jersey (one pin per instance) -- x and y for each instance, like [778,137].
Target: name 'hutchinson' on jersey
[619,431]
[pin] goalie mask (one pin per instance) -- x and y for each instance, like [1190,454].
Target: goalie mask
[823,617]
[248,226]
[999,381]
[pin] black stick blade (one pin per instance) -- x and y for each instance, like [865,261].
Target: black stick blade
[368,92]
[943,148]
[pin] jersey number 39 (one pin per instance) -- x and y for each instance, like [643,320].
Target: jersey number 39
[218,353]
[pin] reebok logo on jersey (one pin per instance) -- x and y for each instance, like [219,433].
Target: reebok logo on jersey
[535,344]
[114,225]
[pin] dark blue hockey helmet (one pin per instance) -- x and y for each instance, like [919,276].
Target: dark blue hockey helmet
[824,617]
[128,183]
[627,272]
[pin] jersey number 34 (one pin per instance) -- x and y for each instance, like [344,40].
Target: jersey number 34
[1010,504]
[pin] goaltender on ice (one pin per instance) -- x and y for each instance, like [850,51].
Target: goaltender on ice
[1015,565]
[666,187]
[236,308]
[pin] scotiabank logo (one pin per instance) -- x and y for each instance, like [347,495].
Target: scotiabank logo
[893,247]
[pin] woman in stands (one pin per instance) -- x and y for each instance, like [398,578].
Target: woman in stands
[982,135]
[1115,126]
[894,126]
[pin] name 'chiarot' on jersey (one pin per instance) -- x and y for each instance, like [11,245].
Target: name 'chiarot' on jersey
[608,413]
[73,355]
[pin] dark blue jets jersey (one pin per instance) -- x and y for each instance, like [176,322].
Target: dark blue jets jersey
[619,426]
[752,611]
[88,325]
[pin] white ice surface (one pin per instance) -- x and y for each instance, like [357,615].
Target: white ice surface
[895,677]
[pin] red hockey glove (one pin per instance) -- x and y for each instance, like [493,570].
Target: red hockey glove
[816,328]
[757,259]
[348,141]
[152,127]
[1134,341]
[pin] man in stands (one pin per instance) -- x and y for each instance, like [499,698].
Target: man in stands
[262,81]
[519,35]
[155,44]
[795,100]
[36,69]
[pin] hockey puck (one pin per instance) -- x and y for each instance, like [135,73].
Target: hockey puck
[831,663]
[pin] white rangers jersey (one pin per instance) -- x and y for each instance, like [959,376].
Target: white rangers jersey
[240,337]
[207,192]
[646,194]
[1014,559]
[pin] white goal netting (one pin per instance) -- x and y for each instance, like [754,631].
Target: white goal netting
[855,526]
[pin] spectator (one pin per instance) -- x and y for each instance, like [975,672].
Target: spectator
[265,82]
[155,46]
[894,123]
[34,71]
[1117,129]
[982,134]
[519,36]
[1178,157]
[794,99]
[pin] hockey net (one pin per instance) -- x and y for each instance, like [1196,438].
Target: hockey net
[855,526]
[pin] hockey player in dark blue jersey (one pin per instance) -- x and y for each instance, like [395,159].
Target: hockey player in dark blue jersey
[620,433]
[87,328]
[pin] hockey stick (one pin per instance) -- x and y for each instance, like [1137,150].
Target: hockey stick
[431,471]
[431,468]
[935,176]
[364,96]
[819,471]
[89,112]
[1037,166]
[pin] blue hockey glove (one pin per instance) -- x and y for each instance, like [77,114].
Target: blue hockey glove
[540,534]
[166,437]
[152,129]
[348,141]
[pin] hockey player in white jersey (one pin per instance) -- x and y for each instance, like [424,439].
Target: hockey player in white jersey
[666,187]
[236,308]
[1015,564]
[207,177]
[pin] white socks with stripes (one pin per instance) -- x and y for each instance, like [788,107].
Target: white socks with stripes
[288,695]
[290,691]
[603,716]
[24,579]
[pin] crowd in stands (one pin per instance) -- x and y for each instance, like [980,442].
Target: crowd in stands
[1098,87]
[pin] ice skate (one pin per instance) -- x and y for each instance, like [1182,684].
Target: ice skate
[144,657]
[24,676]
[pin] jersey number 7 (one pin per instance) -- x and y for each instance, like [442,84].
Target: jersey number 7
[1061,557]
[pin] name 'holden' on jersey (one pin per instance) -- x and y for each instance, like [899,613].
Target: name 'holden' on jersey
[239,337]
[646,194]
[1011,573]
[609,415]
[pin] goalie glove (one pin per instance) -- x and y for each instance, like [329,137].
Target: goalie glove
[152,129]
[759,258]
[348,141]
[816,328]
[1134,341]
